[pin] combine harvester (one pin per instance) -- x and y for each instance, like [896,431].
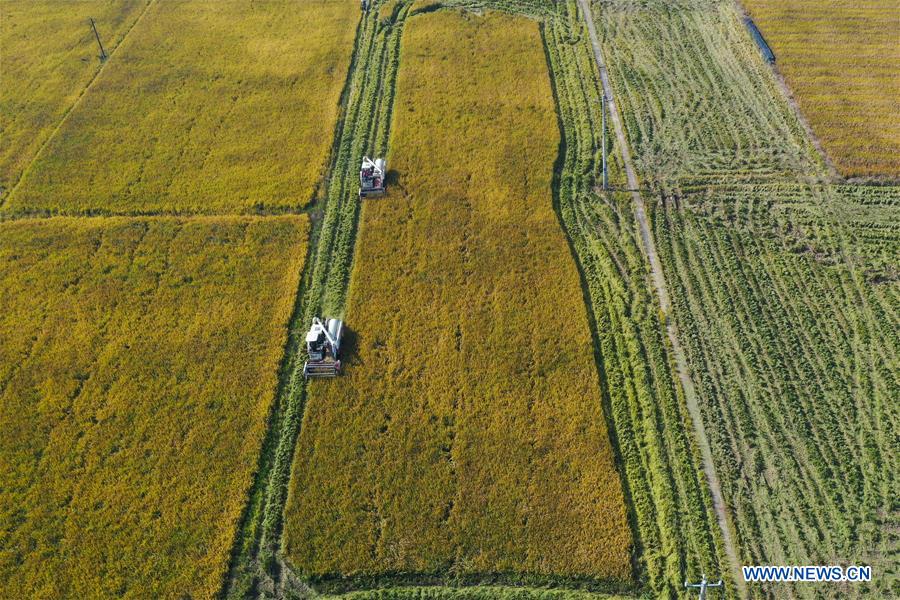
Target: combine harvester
[371,177]
[323,346]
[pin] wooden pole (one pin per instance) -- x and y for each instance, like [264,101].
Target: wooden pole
[603,127]
[103,55]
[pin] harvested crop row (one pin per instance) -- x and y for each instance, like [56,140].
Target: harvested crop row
[138,365]
[852,223]
[669,497]
[49,56]
[208,107]
[796,357]
[669,500]
[841,59]
[697,100]
[467,434]
[473,593]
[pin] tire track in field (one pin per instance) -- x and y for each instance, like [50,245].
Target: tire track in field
[659,284]
[65,117]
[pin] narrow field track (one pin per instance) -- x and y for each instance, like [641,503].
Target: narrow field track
[662,294]
[362,128]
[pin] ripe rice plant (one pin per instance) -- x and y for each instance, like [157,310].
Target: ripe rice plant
[235,113]
[49,57]
[467,435]
[697,100]
[793,345]
[138,364]
[840,60]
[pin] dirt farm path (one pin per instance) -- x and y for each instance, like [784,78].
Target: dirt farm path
[659,284]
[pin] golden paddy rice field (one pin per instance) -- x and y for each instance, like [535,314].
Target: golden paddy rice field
[464,437]
[840,61]
[234,113]
[138,365]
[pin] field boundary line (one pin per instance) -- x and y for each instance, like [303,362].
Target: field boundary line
[781,84]
[662,293]
[65,117]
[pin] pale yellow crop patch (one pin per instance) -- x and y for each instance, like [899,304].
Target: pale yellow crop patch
[841,59]
[207,107]
[48,55]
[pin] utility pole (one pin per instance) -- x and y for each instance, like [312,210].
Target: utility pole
[603,128]
[103,55]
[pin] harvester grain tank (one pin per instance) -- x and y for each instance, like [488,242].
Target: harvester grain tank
[323,348]
[371,177]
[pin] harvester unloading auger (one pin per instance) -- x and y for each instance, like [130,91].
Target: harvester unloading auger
[323,345]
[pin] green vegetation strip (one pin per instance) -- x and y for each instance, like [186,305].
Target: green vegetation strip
[792,341]
[697,100]
[470,593]
[361,129]
[677,536]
